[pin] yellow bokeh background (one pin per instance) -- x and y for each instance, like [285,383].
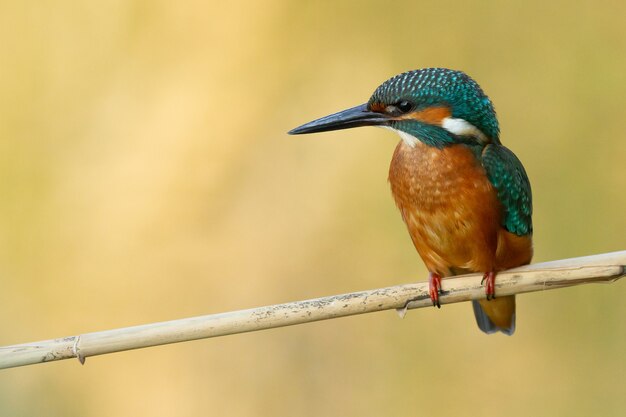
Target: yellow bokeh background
[146,175]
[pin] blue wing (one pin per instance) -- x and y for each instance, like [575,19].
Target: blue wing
[509,178]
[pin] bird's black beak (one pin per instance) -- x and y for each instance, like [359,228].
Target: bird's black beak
[354,117]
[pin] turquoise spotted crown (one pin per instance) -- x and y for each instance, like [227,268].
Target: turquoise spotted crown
[440,86]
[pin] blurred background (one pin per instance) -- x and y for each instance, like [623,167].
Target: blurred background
[146,175]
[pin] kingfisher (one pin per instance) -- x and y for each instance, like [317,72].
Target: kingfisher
[464,197]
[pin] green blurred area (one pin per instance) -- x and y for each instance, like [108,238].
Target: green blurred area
[145,175]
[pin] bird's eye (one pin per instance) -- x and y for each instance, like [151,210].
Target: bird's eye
[404,106]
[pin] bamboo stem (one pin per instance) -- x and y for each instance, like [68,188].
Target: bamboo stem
[549,275]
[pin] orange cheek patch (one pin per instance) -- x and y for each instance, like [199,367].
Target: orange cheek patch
[430,115]
[377,107]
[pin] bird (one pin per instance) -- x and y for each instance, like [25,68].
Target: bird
[464,197]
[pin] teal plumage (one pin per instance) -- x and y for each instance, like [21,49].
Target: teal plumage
[509,178]
[442,87]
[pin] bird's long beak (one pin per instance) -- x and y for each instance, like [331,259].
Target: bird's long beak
[354,117]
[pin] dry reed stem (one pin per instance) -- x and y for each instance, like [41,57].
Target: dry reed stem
[543,276]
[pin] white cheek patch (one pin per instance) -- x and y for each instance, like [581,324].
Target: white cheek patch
[459,127]
[410,140]
[462,127]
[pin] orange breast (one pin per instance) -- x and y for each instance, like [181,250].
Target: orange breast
[451,210]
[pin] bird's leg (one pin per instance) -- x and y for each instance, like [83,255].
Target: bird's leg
[434,288]
[489,279]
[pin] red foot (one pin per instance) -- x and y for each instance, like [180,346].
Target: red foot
[434,288]
[489,279]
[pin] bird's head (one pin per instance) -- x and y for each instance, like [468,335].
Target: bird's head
[436,106]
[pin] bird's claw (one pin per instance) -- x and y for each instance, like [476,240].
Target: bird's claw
[489,279]
[434,288]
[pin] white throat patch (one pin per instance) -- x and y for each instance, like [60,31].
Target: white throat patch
[409,139]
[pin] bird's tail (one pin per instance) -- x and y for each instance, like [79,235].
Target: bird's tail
[495,315]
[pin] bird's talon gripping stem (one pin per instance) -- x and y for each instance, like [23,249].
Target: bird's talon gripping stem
[434,288]
[489,279]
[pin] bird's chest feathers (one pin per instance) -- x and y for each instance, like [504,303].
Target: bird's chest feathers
[450,207]
[431,179]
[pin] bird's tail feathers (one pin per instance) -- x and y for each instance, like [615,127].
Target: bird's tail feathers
[495,315]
